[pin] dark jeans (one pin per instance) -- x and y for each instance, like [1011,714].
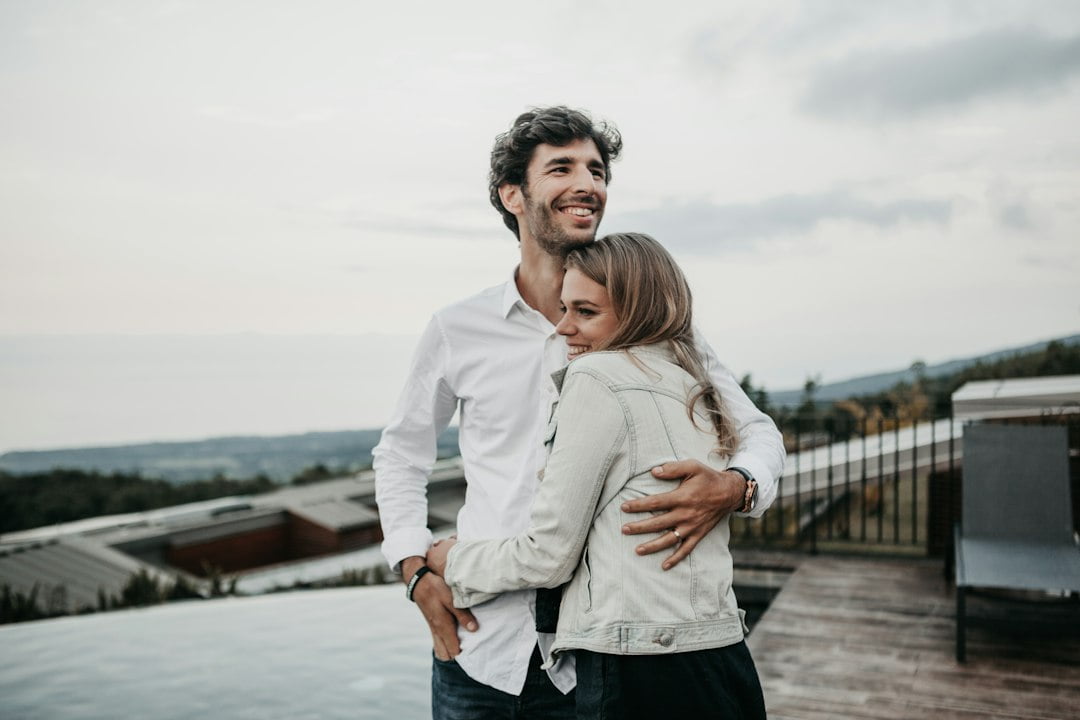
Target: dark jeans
[456,696]
[717,683]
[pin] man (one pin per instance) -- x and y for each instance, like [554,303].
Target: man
[490,357]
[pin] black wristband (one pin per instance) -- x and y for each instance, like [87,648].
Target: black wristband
[424,570]
[751,489]
[742,471]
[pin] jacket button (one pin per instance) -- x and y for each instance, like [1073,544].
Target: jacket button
[665,639]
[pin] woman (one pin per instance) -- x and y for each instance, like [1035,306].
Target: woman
[648,642]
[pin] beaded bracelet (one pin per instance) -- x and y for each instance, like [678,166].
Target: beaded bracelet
[424,570]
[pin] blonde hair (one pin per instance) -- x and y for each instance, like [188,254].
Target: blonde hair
[651,300]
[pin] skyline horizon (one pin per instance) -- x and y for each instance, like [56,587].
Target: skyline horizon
[386,394]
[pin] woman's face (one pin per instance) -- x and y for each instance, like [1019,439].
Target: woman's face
[588,318]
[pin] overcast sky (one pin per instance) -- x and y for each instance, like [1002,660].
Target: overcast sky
[849,185]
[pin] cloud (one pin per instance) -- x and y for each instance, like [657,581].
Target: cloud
[889,83]
[712,228]
[1015,216]
[455,231]
[275,122]
[1049,262]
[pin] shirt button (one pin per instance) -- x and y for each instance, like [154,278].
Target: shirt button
[665,639]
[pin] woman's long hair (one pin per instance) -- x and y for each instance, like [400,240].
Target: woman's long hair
[651,299]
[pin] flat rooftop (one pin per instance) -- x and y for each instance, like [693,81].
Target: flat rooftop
[875,637]
[1017,397]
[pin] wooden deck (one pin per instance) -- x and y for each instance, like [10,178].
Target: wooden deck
[875,638]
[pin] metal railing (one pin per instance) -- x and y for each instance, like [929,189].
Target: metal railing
[887,484]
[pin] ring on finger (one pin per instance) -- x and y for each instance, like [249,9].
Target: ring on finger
[678,537]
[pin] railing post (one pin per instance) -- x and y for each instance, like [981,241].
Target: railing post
[798,477]
[952,464]
[862,505]
[896,479]
[847,478]
[813,489]
[881,479]
[915,482]
[829,477]
[780,506]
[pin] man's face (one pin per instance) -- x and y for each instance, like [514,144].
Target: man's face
[564,195]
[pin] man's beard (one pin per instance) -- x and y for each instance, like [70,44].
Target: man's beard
[549,236]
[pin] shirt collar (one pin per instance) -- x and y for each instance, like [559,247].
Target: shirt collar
[511,297]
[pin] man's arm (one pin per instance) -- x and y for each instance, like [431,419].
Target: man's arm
[403,461]
[705,495]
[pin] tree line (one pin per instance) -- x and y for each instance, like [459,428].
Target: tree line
[908,401]
[63,495]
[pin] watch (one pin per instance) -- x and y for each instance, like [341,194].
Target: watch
[751,489]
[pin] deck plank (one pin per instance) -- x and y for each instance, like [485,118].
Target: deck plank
[874,638]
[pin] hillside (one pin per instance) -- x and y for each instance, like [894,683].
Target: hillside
[279,458]
[282,458]
[869,384]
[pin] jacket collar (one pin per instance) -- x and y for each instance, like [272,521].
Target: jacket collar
[659,351]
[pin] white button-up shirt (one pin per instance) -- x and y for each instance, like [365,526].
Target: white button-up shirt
[491,356]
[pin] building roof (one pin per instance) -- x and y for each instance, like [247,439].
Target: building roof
[336,514]
[69,572]
[1017,397]
[107,525]
[86,555]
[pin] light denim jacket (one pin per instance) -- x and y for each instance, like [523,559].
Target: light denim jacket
[616,419]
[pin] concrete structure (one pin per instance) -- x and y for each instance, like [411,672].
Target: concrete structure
[295,535]
[1017,398]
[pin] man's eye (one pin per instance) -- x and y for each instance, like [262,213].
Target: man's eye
[562,309]
[598,174]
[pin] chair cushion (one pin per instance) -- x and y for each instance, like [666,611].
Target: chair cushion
[982,562]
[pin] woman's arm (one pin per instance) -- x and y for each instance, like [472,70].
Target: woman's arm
[589,437]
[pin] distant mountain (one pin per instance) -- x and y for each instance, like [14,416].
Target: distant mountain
[280,458]
[283,457]
[883,381]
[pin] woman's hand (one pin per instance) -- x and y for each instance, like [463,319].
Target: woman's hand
[436,555]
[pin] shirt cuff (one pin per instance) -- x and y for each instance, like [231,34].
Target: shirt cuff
[758,470]
[405,543]
[765,481]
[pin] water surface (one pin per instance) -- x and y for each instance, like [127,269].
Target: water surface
[339,653]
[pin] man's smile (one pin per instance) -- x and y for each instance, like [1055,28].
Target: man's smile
[579,211]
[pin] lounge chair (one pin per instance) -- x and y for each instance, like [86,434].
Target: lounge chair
[1016,526]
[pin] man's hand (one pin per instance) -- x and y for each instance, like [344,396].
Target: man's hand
[702,499]
[436,602]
